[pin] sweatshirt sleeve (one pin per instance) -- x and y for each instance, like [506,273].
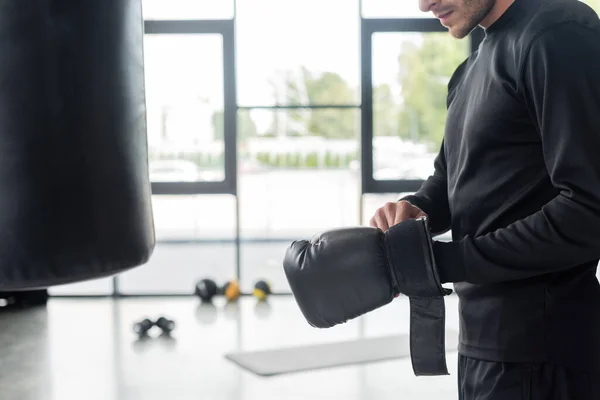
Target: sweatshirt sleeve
[561,86]
[432,197]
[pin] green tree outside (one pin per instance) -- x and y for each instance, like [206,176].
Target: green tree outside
[330,88]
[246,127]
[425,70]
[385,118]
[322,88]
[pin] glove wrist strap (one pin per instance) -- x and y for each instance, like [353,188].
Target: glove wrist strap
[412,266]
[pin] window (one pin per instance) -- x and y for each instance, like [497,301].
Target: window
[195,240]
[392,9]
[187,9]
[185,101]
[297,52]
[411,72]
[299,175]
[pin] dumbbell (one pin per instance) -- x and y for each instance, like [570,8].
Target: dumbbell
[166,325]
[143,327]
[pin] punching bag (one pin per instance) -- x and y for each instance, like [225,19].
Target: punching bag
[75,197]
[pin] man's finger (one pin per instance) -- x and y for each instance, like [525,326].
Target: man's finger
[402,214]
[381,222]
[389,215]
[373,222]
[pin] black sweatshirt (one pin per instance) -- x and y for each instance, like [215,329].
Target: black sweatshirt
[518,182]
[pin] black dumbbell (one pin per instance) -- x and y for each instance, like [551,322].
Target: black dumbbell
[141,328]
[166,325]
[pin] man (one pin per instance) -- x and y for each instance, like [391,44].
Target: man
[517,181]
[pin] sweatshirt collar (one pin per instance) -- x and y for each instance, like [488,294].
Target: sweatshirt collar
[515,11]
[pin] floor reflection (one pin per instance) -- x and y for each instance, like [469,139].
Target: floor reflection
[87,349]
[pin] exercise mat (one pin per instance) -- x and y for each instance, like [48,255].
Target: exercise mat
[328,355]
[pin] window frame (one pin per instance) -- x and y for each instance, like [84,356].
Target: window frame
[226,29]
[369,27]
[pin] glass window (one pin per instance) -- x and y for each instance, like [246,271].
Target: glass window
[299,174]
[411,72]
[392,9]
[187,9]
[195,239]
[297,52]
[185,102]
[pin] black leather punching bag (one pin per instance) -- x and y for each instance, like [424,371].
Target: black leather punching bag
[75,197]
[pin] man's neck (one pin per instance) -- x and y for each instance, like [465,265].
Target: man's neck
[499,8]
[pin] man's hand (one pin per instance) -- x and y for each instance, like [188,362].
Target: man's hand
[393,213]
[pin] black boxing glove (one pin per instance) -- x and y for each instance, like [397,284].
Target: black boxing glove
[344,273]
[339,275]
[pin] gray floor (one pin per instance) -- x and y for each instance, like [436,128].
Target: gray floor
[85,349]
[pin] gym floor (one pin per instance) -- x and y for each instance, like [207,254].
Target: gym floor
[75,349]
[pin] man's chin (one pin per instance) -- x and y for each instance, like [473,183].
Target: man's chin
[458,32]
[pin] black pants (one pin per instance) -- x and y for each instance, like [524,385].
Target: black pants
[483,380]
